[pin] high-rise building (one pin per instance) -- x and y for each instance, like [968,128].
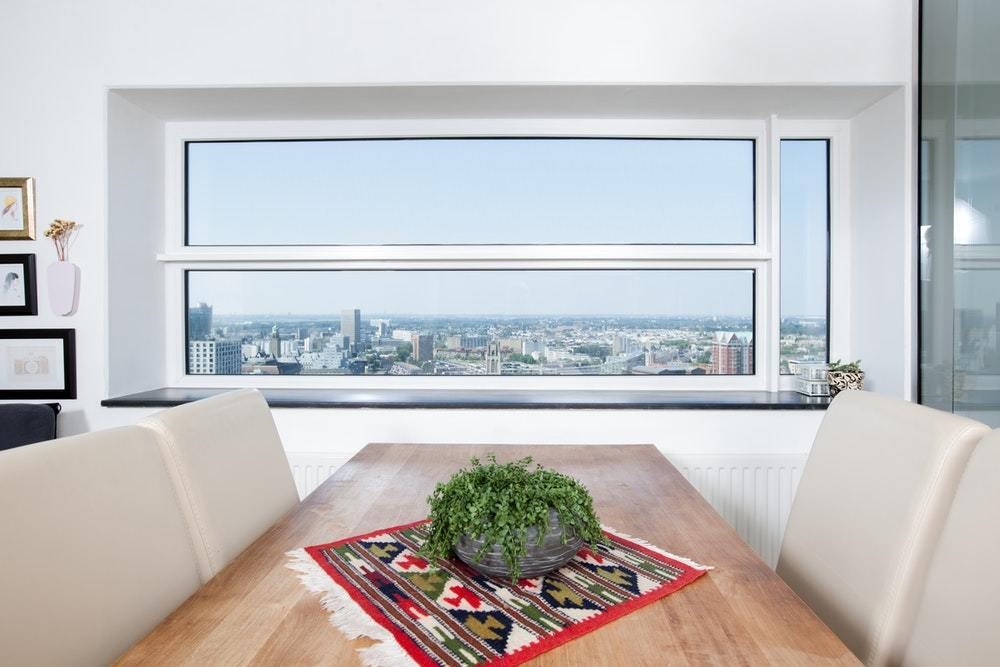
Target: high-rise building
[423,347]
[732,353]
[350,328]
[493,358]
[215,357]
[274,343]
[624,345]
[200,322]
[381,328]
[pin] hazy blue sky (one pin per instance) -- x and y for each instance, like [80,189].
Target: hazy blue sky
[803,228]
[503,191]
[475,292]
[471,191]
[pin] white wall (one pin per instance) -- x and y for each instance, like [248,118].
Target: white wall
[883,253]
[66,55]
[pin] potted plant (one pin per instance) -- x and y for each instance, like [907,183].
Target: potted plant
[845,376]
[508,520]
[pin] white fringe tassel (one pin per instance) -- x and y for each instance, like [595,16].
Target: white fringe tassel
[653,547]
[347,616]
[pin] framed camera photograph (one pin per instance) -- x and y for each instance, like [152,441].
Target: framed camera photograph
[37,363]
[18,294]
[17,208]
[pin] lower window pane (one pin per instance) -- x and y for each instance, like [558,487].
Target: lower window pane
[471,322]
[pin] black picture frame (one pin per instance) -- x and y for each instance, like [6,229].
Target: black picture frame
[29,285]
[9,366]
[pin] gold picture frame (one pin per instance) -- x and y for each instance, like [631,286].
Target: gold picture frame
[17,209]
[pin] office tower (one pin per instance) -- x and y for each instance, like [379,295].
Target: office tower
[215,357]
[732,353]
[381,328]
[200,322]
[274,343]
[350,328]
[423,347]
[493,358]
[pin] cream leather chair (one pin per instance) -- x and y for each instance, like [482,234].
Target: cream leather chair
[94,549]
[228,464]
[868,513]
[957,622]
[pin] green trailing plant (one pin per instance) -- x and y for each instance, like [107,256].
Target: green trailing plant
[850,367]
[498,502]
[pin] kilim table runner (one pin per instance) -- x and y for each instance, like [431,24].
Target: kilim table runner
[376,585]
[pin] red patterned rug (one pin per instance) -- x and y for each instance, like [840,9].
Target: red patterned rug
[376,585]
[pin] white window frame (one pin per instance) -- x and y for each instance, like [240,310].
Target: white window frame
[762,256]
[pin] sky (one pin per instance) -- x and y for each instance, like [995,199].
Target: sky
[804,238]
[419,191]
[471,191]
[459,292]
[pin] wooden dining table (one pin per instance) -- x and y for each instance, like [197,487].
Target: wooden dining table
[256,612]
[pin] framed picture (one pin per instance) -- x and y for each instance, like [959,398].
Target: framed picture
[17,285]
[37,363]
[17,208]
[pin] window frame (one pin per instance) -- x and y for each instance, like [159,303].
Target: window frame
[762,256]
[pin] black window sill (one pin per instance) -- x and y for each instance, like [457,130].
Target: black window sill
[491,399]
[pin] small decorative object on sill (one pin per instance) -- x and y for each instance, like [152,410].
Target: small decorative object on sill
[810,378]
[63,276]
[845,376]
[812,387]
[505,520]
[812,371]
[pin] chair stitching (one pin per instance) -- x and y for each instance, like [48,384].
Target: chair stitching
[162,431]
[903,568]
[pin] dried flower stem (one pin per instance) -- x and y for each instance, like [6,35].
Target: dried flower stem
[62,233]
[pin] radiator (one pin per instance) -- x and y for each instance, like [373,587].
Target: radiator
[753,492]
[310,469]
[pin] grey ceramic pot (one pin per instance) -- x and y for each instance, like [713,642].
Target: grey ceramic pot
[541,559]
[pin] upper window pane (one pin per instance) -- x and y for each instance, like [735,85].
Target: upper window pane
[805,215]
[470,191]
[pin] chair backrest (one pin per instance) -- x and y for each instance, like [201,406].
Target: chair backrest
[94,549]
[867,515]
[226,459]
[27,423]
[957,621]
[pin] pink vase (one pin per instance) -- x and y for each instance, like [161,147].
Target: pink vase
[64,287]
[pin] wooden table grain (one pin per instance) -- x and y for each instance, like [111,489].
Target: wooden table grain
[255,612]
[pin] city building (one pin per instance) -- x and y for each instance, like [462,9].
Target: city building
[274,343]
[381,328]
[732,353]
[214,357]
[350,328]
[623,345]
[493,358]
[200,322]
[423,347]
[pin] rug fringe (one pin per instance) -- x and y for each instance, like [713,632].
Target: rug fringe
[347,616]
[653,547]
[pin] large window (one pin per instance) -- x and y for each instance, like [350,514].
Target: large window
[642,256]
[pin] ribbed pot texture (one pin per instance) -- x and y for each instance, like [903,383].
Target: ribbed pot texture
[541,559]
